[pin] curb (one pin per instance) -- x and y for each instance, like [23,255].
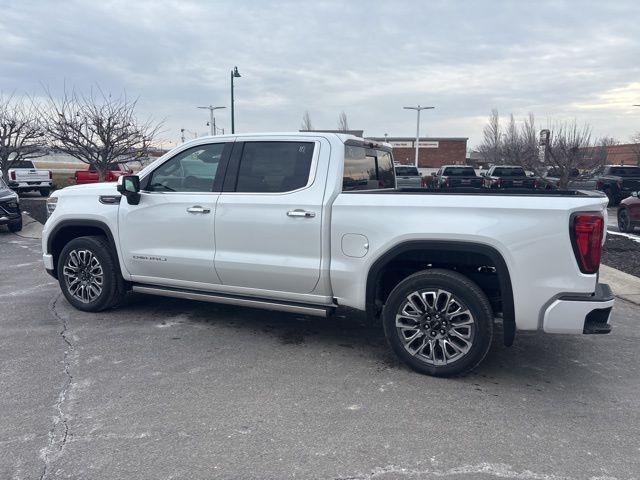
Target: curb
[31,228]
[622,284]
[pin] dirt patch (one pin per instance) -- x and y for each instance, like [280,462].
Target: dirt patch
[622,253]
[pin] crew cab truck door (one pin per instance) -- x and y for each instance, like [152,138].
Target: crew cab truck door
[168,238]
[269,214]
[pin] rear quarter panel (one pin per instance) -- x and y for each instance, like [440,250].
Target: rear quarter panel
[531,233]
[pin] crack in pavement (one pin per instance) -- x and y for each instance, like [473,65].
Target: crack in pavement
[59,431]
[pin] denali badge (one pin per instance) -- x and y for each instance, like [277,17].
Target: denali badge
[145,257]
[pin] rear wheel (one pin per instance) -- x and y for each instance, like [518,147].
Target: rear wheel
[438,322]
[624,221]
[89,275]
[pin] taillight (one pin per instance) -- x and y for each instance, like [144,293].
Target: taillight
[446,182]
[619,182]
[50,175]
[586,229]
[536,184]
[13,175]
[598,185]
[498,181]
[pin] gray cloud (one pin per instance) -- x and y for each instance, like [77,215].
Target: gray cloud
[571,59]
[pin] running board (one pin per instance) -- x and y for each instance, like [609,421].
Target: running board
[316,311]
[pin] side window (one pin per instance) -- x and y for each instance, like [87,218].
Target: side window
[190,171]
[274,167]
[367,169]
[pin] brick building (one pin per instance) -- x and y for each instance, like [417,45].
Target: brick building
[433,153]
[627,154]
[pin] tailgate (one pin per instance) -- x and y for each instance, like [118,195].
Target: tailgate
[465,181]
[31,175]
[518,182]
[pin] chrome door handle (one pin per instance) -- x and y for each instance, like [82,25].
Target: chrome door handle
[300,213]
[198,209]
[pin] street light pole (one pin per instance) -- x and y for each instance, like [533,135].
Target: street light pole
[234,74]
[212,119]
[418,109]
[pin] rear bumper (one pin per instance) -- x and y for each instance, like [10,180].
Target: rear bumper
[30,185]
[578,314]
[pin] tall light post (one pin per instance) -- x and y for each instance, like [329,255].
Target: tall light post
[418,109]
[234,74]
[212,119]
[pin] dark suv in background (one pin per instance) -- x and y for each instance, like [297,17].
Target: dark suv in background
[9,208]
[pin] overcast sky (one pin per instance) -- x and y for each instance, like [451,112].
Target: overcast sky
[559,60]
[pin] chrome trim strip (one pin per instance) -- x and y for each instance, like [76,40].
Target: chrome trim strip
[246,302]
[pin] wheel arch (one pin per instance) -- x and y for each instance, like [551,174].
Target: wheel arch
[66,230]
[447,248]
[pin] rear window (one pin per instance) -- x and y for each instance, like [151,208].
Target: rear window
[509,172]
[23,164]
[407,172]
[367,169]
[625,171]
[459,172]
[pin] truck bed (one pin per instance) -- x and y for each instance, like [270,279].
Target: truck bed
[518,192]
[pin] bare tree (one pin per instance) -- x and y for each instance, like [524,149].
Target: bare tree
[490,149]
[306,122]
[602,149]
[635,147]
[512,145]
[343,125]
[21,134]
[98,129]
[570,148]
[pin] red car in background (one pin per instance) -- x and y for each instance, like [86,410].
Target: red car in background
[115,171]
[629,213]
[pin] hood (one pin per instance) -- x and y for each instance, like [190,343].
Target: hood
[104,188]
[6,194]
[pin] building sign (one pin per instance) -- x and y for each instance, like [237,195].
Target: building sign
[429,144]
[402,144]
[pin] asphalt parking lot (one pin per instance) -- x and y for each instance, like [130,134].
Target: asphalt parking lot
[163,388]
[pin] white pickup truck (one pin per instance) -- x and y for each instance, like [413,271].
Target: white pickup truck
[310,223]
[23,176]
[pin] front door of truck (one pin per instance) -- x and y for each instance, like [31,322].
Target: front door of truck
[168,238]
[269,216]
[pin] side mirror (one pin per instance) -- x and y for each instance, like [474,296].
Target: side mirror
[129,187]
[634,194]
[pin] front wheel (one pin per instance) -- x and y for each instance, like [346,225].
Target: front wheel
[438,322]
[88,274]
[624,222]
[15,226]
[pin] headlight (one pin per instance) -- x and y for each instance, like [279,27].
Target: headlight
[52,202]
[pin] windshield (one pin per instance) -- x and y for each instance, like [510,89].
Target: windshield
[407,172]
[625,171]
[509,172]
[459,172]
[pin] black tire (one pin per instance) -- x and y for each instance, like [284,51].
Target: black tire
[612,198]
[44,192]
[624,221]
[113,289]
[469,295]
[15,226]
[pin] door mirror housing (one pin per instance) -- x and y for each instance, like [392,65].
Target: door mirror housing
[634,194]
[129,187]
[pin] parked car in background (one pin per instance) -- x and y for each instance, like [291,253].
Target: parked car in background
[115,171]
[508,176]
[25,177]
[629,213]
[617,182]
[10,214]
[550,180]
[408,176]
[452,176]
[310,222]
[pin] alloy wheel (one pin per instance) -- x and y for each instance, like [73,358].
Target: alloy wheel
[84,275]
[435,326]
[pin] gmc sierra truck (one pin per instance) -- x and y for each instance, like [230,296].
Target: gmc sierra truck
[313,222]
[23,176]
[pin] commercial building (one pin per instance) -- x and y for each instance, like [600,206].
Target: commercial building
[433,152]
